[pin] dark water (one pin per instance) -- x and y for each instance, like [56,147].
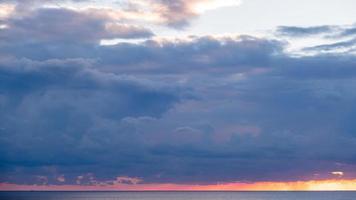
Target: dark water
[177,195]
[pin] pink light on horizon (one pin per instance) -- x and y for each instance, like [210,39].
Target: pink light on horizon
[312,185]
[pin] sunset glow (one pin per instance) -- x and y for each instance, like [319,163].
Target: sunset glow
[321,185]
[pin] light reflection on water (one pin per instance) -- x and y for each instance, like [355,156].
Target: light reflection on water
[177,195]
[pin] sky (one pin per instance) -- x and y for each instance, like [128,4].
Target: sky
[177,95]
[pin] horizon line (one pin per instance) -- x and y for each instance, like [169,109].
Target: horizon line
[177,190]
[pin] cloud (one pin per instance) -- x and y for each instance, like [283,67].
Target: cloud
[61,179]
[178,13]
[66,25]
[6,10]
[332,38]
[128,180]
[346,45]
[338,173]
[328,31]
[190,110]
[223,55]
[63,76]
[350,31]
[295,31]
[68,107]
[172,13]
[228,54]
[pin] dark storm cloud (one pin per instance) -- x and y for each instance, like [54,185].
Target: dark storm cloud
[323,66]
[208,53]
[29,77]
[200,110]
[56,109]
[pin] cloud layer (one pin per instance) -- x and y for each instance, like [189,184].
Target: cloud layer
[192,110]
[172,13]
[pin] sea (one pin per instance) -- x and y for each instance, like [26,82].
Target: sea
[177,195]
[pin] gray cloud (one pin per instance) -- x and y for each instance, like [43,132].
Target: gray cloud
[172,13]
[64,25]
[347,44]
[341,37]
[206,109]
[176,13]
[329,31]
[349,31]
[59,108]
[224,55]
[295,31]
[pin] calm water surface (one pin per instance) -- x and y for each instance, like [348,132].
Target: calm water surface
[177,195]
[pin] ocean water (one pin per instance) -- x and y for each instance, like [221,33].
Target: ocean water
[177,195]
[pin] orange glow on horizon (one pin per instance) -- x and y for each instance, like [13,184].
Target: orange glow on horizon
[313,185]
